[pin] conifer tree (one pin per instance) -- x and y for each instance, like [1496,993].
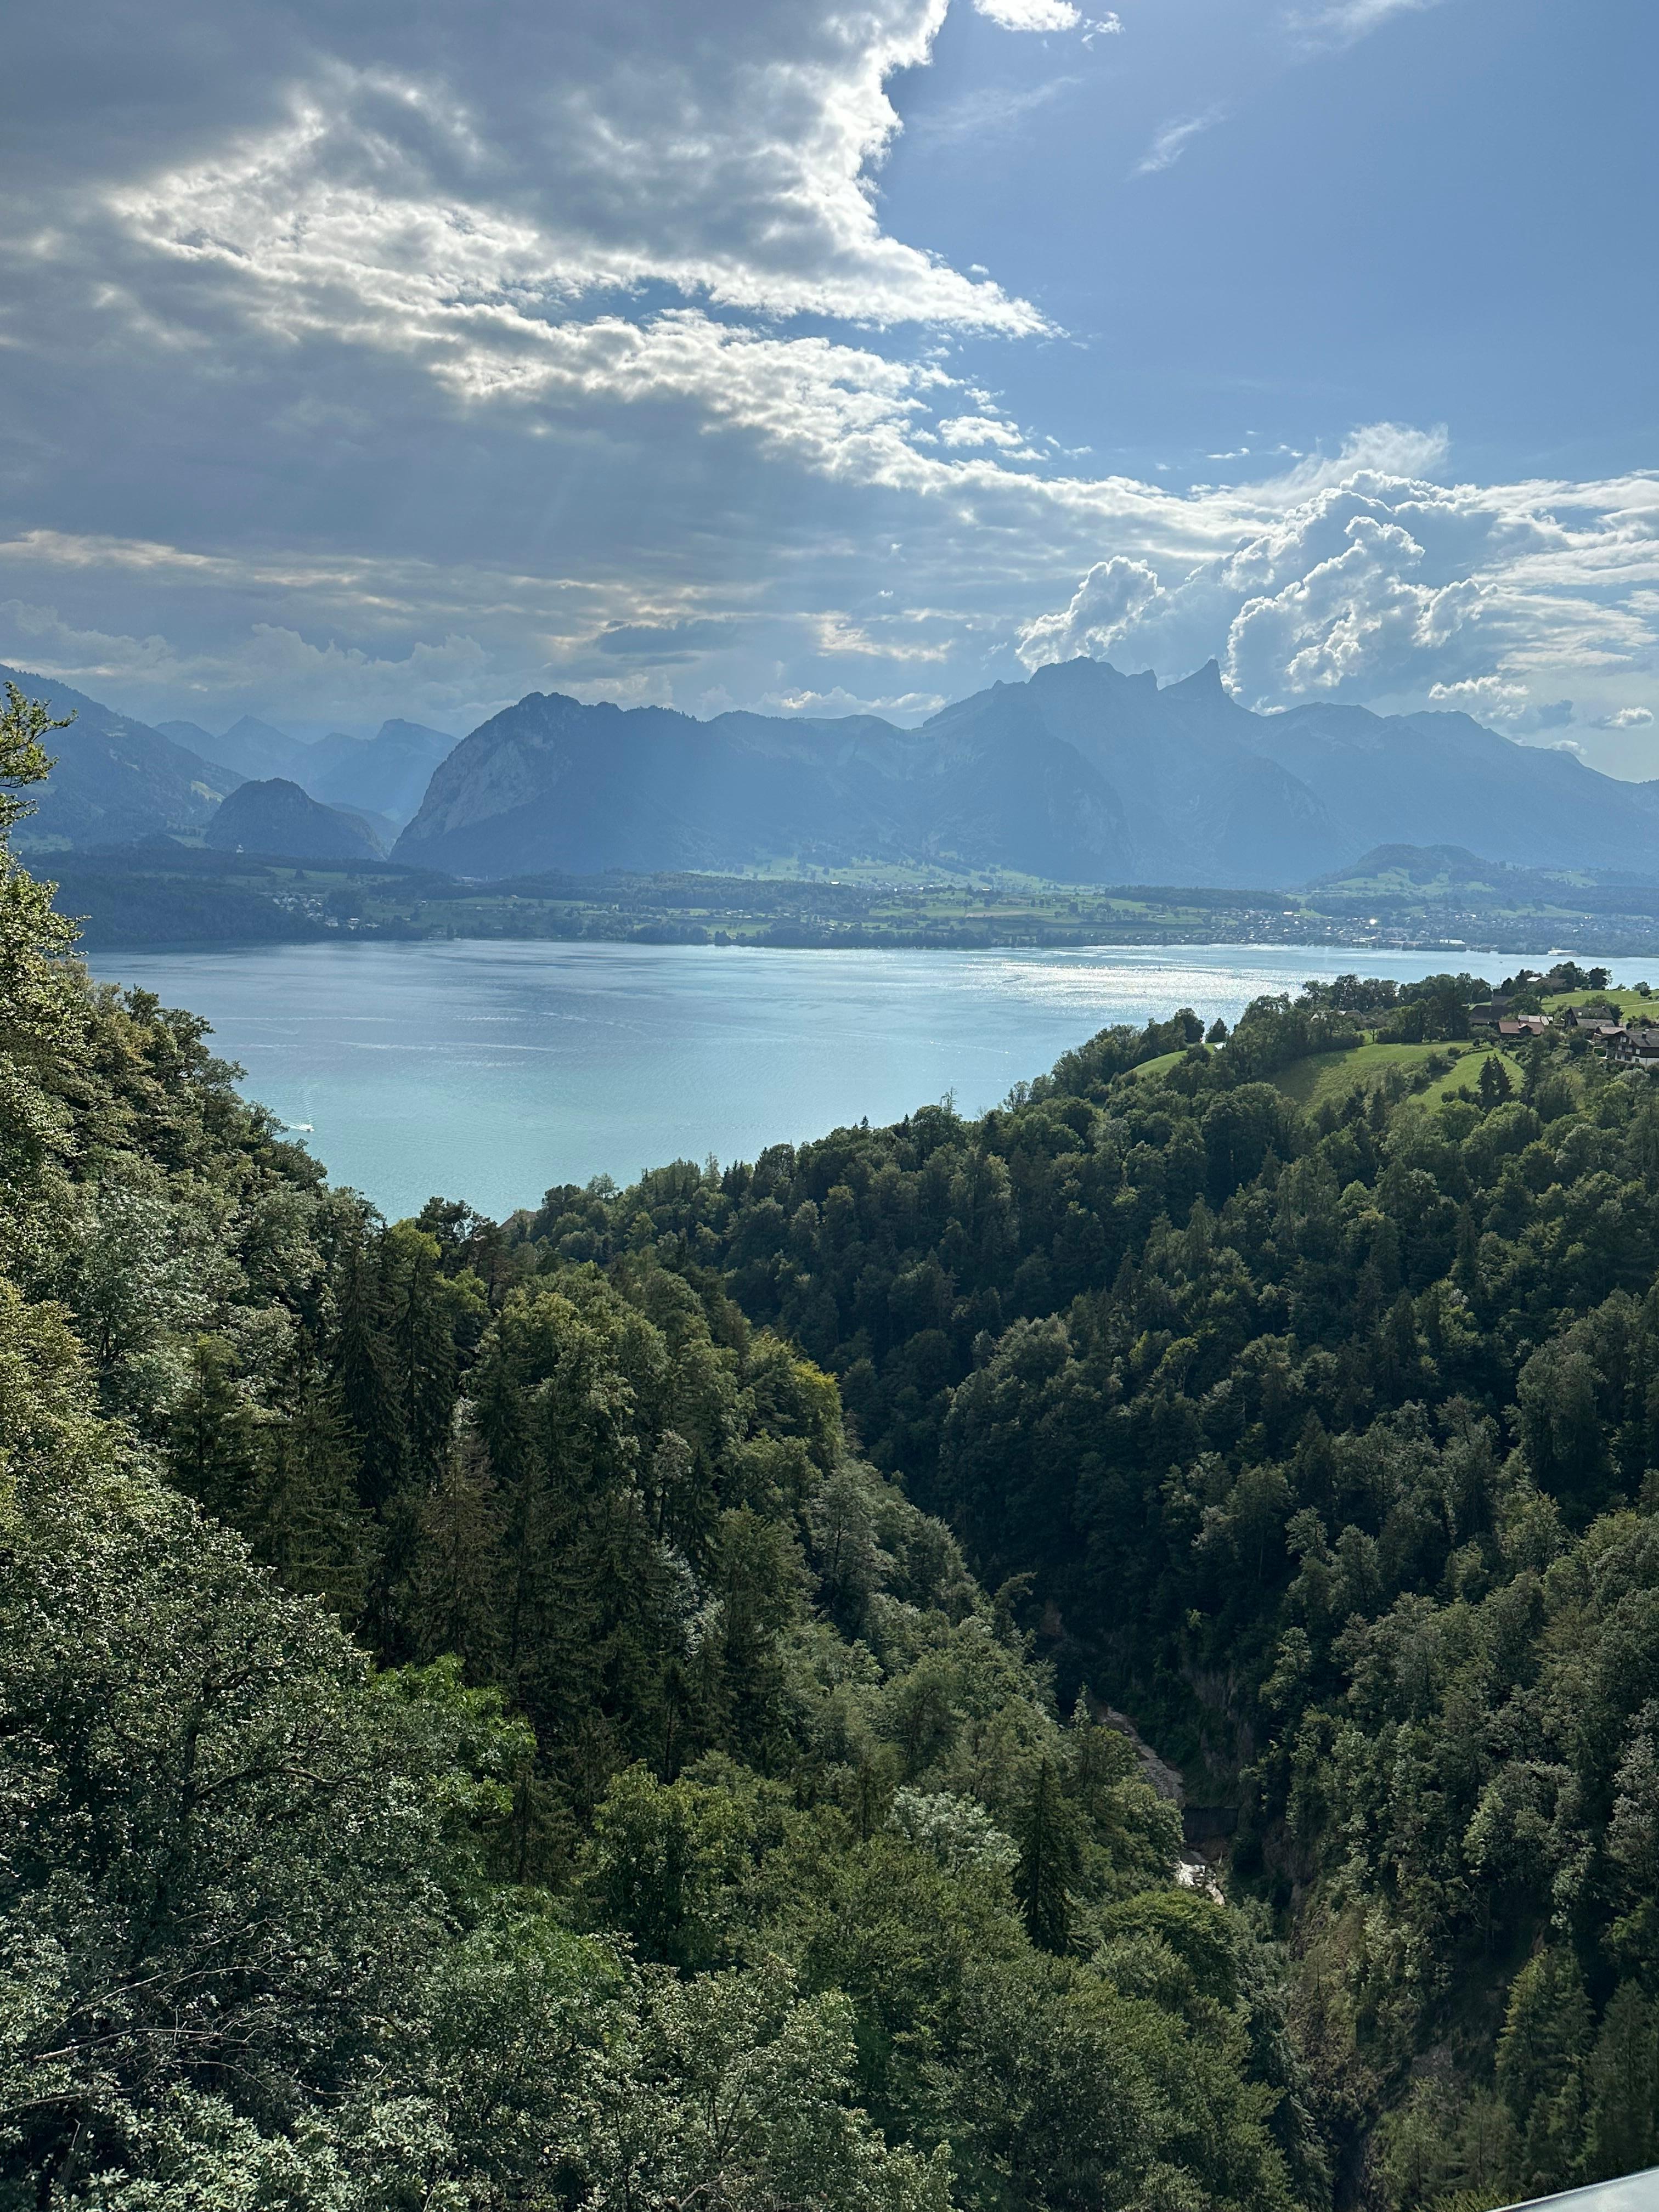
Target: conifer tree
[303,1517]
[1494,1082]
[1540,2062]
[421,1347]
[212,1447]
[362,1370]
[1622,2132]
[1048,1860]
[453,1596]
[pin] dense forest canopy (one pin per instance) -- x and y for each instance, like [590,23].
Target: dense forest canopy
[606,1709]
[474,1733]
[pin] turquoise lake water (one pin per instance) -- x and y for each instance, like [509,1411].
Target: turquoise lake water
[487,1070]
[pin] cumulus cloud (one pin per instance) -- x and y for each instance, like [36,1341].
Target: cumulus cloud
[1348,581]
[1626,718]
[1348,617]
[982,430]
[1495,697]
[1110,600]
[383,370]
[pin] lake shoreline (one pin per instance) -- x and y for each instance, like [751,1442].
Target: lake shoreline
[491,1069]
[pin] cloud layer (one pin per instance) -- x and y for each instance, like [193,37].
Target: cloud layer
[392,363]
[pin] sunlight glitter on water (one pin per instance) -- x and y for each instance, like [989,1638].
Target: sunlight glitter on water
[488,1070]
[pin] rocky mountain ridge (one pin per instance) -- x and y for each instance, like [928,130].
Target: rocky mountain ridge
[1080,775]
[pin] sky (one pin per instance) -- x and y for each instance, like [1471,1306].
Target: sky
[831,356]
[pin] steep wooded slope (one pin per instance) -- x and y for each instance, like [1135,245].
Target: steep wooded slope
[684,1825]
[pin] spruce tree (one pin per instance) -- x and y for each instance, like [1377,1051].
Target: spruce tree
[1495,1085]
[212,1449]
[362,1370]
[1541,2061]
[422,1350]
[1048,1861]
[303,1516]
[1622,2133]
[452,1599]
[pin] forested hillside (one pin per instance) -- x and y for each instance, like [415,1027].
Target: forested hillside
[475,1733]
[603,1708]
[1325,1443]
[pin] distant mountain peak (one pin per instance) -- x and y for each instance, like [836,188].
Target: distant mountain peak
[273,815]
[1204,683]
[1080,773]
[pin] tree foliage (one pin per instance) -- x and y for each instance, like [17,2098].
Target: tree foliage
[475,1732]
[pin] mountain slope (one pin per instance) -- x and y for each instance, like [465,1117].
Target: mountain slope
[116,779]
[386,774]
[553,784]
[1445,779]
[275,817]
[1081,773]
[253,748]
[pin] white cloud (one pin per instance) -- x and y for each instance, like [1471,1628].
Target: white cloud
[1493,697]
[989,111]
[1030,14]
[1628,718]
[1110,600]
[982,430]
[1172,142]
[1348,618]
[1345,580]
[1346,21]
[381,208]
[902,706]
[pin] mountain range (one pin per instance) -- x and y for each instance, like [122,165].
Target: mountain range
[116,779]
[1081,775]
[384,777]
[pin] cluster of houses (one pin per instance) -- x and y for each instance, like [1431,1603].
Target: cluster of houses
[1626,1043]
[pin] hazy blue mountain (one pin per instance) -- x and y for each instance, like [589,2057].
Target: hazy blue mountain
[257,749]
[1081,773]
[275,817]
[116,779]
[191,736]
[552,784]
[386,775]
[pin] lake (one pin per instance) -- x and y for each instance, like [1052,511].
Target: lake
[488,1070]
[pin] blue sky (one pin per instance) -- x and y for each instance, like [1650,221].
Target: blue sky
[822,357]
[1447,219]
